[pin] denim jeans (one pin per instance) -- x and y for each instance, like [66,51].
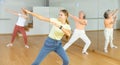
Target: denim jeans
[49,46]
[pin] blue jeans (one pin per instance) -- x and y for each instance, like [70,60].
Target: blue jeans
[49,46]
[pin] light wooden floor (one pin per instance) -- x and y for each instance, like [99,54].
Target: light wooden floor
[18,55]
[114,53]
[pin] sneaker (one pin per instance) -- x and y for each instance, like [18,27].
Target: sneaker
[105,50]
[9,45]
[26,46]
[114,46]
[84,52]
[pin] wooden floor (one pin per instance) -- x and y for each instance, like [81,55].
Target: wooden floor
[19,55]
[114,53]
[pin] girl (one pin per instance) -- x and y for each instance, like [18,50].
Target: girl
[19,26]
[53,42]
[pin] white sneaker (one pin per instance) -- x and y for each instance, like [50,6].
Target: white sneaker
[84,52]
[114,46]
[9,45]
[26,46]
[105,50]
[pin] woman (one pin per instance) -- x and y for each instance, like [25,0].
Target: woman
[53,42]
[19,26]
[110,19]
[79,32]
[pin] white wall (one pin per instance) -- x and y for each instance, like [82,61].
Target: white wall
[42,27]
[7,25]
[118,23]
[94,10]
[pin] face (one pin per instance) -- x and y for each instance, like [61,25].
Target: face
[109,14]
[81,15]
[23,12]
[62,16]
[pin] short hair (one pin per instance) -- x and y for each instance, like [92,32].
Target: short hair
[106,14]
[84,17]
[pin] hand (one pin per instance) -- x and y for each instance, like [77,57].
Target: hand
[56,24]
[26,10]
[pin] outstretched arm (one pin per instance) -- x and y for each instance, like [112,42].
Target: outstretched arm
[76,19]
[12,12]
[67,32]
[40,17]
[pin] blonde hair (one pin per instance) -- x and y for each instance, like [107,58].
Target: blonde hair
[66,14]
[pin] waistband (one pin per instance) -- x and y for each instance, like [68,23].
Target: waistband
[52,39]
[108,28]
[79,30]
[19,26]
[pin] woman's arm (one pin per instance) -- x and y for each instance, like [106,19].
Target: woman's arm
[76,19]
[114,20]
[38,16]
[84,22]
[114,13]
[66,31]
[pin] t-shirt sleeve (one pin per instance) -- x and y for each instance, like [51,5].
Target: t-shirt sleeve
[52,20]
[67,27]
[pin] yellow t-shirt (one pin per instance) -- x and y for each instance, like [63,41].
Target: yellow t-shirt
[55,32]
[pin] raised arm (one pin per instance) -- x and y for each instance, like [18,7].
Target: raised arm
[114,20]
[12,12]
[114,13]
[40,17]
[76,19]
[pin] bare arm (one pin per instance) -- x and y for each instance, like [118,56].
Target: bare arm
[84,22]
[114,20]
[12,12]
[76,19]
[66,31]
[114,13]
[38,16]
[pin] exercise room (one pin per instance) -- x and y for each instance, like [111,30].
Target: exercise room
[59,32]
